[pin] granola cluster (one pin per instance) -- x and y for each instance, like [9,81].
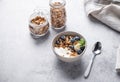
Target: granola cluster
[40,25]
[38,20]
[58,15]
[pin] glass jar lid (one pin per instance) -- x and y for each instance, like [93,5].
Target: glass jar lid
[57,3]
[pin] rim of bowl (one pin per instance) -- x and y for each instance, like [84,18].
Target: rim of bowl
[62,33]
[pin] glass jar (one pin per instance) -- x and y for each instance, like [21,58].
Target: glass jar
[38,23]
[58,13]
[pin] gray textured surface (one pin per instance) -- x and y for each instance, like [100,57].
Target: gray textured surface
[23,59]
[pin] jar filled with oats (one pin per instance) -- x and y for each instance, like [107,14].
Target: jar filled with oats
[58,13]
[38,23]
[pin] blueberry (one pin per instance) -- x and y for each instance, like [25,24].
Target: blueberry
[82,48]
[62,37]
[72,40]
[57,42]
[77,38]
[71,47]
[79,51]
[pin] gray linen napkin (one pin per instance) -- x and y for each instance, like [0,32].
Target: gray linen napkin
[107,11]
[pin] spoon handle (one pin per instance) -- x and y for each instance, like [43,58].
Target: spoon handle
[87,72]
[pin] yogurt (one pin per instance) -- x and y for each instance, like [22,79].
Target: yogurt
[65,52]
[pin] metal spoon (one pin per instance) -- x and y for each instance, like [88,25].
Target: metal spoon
[96,51]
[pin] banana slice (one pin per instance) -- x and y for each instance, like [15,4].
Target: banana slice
[77,46]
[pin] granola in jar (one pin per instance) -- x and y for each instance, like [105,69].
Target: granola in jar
[58,13]
[38,25]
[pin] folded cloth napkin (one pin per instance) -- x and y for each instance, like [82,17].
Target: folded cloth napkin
[107,11]
[118,60]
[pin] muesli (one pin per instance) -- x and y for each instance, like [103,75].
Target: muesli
[69,45]
[38,25]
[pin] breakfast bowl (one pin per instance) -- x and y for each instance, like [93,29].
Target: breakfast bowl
[69,46]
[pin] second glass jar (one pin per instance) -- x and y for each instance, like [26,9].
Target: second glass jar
[58,13]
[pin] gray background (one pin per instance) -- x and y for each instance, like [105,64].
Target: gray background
[24,59]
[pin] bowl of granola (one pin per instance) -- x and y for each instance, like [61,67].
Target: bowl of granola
[69,46]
